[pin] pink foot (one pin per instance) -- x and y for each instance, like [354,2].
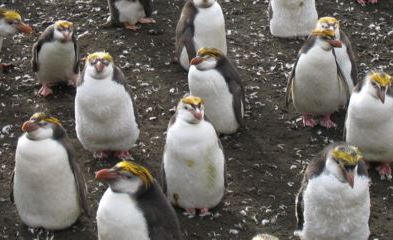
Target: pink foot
[146,20]
[327,122]
[131,26]
[6,67]
[308,120]
[100,155]
[45,90]
[385,171]
[204,212]
[122,154]
[190,212]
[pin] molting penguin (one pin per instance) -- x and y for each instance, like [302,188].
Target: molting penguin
[201,24]
[134,206]
[292,18]
[56,57]
[48,188]
[193,171]
[334,199]
[316,85]
[369,121]
[213,78]
[128,13]
[104,110]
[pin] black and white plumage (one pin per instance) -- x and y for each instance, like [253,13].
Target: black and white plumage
[134,206]
[369,120]
[56,56]
[49,190]
[201,24]
[213,77]
[334,199]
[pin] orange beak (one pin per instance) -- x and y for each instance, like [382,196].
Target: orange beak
[381,94]
[350,177]
[99,67]
[198,114]
[29,126]
[335,43]
[23,27]
[106,174]
[196,61]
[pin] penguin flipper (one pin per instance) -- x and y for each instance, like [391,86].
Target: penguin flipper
[351,55]
[299,203]
[270,11]
[12,186]
[185,31]
[163,178]
[341,76]
[76,50]
[288,94]
[46,36]
[148,7]
[114,17]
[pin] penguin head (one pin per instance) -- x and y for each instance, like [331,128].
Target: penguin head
[126,177]
[191,109]
[203,3]
[329,23]
[11,22]
[99,65]
[63,31]
[40,126]
[206,59]
[342,162]
[327,38]
[377,84]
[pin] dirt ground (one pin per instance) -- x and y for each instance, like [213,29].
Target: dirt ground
[265,160]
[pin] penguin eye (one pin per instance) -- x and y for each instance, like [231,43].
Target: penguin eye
[13,22]
[42,123]
[374,84]
[93,62]
[105,62]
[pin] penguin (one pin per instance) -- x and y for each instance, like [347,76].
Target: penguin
[316,85]
[193,167]
[10,23]
[364,2]
[213,78]
[292,18]
[49,190]
[201,24]
[104,110]
[56,56]
[345,55]
[369,120]
[334,199]
[264,237]
[134,206]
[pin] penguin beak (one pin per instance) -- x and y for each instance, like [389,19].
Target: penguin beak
[196,60]
[29,126]
[381,94]
[99,67]
[23,27]
[335,43]
[198,114]
[67,35]
[106,174]
[349,176]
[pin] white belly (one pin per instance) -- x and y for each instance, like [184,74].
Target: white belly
[292,18]
[129,11]
[194,166]
[213,89]
[44,186]
[118,217]
[316,87]
[104,116]
[56,62]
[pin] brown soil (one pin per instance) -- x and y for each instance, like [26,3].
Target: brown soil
[265,160]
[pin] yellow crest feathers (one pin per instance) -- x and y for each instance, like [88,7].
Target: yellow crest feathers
[11,15]
[348,155]
[214,52]
[136,170]
[64,24]
[329,20]
[381,78]
[192,100]
[44,117]
[100,55]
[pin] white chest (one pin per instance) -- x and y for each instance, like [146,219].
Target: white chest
[130,11]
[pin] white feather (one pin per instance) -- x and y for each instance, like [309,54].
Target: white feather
[194,165]
[344,62]
[6,29]
[292,18]
[130,11]
[45,191]
[118,217]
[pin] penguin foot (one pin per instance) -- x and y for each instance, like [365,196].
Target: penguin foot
[131,26]
[73,80]
[6,67]
[309,121]
[190,212]
[204,212]
[327,122]
[363,2]
[100,155]
[385,171]
[45,90]
[146,20]
[122,154]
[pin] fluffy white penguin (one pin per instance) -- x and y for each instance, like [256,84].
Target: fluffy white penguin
[128,13]
[56,57]
[316,85]
[213,78]
[345,55]
[334,199]
[134,206]
[369,121]
[193,170]
[49,190]
[292,18]
[104,111]
[201,24]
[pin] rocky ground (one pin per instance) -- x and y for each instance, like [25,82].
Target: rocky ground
[265,160]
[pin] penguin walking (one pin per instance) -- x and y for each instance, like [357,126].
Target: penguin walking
[213,78]
[134,206]
[104,111]
[369,120]
[193,172]
[345,55]
[128,13]
[10,23]
[49,190]
[292,18]
[334,199]
[56,56]
[316,85]
[201,24]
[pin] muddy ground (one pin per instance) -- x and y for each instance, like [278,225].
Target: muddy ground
[265,160]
